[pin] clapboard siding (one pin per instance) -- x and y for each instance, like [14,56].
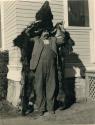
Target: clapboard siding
[32,14]
[19,14]
[26,11]
[82,47]
[10,29]
[36,7]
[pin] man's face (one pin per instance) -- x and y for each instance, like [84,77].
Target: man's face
[45,34]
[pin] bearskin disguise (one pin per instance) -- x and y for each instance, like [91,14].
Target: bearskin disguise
[43,21]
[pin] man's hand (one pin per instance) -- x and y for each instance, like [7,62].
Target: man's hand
[60,26]
[60,29]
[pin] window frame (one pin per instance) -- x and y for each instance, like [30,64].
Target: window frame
[90,28]
[92,33]
[66,21]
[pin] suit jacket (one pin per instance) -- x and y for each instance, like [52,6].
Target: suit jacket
[38,48]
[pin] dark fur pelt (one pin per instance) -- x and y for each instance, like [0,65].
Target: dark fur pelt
[45,12]
[46,16]
[26,46]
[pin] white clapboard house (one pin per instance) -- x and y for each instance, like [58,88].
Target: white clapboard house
[79,20]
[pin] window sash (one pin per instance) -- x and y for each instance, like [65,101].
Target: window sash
[66,19]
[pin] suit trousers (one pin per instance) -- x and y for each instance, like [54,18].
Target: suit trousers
[45,82]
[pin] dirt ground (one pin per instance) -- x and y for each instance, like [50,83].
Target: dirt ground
[79,113]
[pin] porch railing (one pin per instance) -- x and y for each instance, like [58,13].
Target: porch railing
[90,85]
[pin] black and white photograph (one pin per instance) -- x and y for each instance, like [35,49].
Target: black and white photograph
[47,62]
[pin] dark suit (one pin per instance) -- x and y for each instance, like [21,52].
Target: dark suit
[38,48]
[43,63]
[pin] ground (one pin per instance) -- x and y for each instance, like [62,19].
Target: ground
[81,112]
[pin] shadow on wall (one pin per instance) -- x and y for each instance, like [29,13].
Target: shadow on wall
[4,58]
[67,86]
[70,82]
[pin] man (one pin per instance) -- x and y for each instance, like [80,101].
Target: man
[43,64]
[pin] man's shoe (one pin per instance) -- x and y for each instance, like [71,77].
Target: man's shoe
[37,114]
[49,115]
[23,113]
[64,107]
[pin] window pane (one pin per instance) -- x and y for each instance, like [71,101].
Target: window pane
[78,14]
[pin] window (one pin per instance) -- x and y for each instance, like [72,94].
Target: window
[78,14]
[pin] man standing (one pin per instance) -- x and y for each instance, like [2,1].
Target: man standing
[43,57]
[43,63]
